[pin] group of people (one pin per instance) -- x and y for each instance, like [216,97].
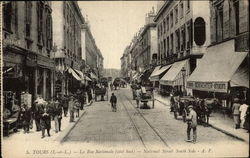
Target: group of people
[43,112]
[202,107]
[240,114]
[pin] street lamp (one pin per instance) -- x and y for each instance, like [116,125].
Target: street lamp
[183,70]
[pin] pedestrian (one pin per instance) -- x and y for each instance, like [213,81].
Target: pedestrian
[138,95]
[172,102]
[57,114]
[38,105]
[236,113]
[191,124]
[246,124]
[77,107]
[113,101]
[25,117]
[243,110]
[46,112]
[65,105]
[111,86]
[71,108]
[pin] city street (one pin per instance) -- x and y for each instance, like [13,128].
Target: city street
[155,128]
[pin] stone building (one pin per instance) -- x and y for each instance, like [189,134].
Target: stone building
[92,55]
[143,49]
[125,63]
[67,25]
[223,72]
[183,29]
[27,44]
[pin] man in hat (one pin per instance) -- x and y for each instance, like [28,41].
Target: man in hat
[191,124]
[113,101]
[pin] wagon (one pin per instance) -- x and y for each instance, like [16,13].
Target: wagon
[101,92]
[146,96]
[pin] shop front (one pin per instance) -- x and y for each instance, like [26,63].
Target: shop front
[13,77]
[175,78]
[157,74]
[223,74]
[45,72]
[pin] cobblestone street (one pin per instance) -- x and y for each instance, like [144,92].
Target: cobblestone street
[104,128]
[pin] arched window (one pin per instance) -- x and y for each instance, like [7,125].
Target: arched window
[199,31]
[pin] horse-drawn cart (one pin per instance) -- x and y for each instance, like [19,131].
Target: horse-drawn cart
[146,96]
[101,92]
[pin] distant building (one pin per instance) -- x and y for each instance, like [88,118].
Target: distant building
[141,55]
[92,55]
[27,45]
[114,73]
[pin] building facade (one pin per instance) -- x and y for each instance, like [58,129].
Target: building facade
[229,54]
[183,31]
[27,48]
[67,24]
[141,54]
[92,55]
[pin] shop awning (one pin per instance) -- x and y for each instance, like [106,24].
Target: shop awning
[74,74]
[156,75]
[174,75]
[146,74]
[241,77]
[218,68]
[155,70]
[87,78]
[135,76]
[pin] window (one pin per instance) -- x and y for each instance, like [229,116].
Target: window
[7,11]
[177,42]
[188,5]
[167,46]
[40,22]
[236,12]
[219,24]
[164,26]
[183,37]
[167,23]
[176,14]
[164,49]
[28,5]
[158,31]
[181,10]
[172,44]
[171,19]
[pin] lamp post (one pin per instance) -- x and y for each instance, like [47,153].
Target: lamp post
[183,70]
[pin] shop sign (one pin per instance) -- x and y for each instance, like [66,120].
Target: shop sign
[208,86]
[169,83]
[10,40]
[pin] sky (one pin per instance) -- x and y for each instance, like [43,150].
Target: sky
[113,25]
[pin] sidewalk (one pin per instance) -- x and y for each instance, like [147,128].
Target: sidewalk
[35,136]
[217,121]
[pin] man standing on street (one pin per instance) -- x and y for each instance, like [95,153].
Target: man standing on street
[191,124]
[113,101]
[138,95]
